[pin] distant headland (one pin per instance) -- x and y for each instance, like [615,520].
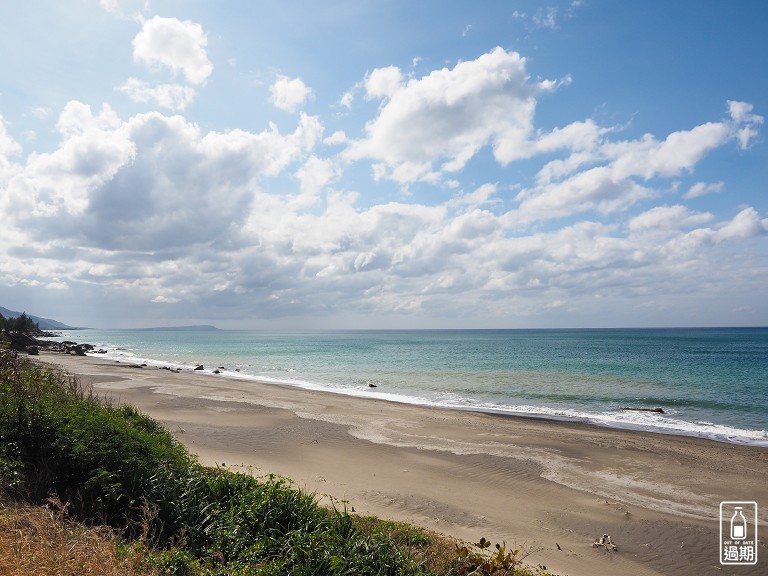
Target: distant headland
[47,324]
[42,323]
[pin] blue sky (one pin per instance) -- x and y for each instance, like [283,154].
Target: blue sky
[353,164]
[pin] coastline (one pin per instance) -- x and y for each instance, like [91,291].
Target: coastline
[535,483]
[577,376]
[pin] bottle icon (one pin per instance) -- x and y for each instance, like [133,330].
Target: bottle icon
[738,525]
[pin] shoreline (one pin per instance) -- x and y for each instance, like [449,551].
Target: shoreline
[723,433]
[533,482]
[151,364]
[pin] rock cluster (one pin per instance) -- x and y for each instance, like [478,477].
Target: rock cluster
[32,346]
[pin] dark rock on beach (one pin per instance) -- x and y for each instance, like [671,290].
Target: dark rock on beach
[19,342]
[26,342]
[656,410]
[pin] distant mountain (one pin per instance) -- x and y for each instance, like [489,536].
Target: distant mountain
[44,323]
[196,327]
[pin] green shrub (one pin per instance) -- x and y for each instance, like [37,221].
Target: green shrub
[174,562]
[109,463]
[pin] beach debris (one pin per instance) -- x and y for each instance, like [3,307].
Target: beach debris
[558,546]
[372,386]
[657,410]
[605,540]
[199,367]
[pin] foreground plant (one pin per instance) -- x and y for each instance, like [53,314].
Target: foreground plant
[480,561]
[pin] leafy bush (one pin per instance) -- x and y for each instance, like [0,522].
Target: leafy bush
[108,463]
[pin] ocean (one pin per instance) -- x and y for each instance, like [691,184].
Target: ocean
[710,382]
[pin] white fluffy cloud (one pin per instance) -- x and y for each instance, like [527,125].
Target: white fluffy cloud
[92,150]
[667,220]
[702,189]
[383,82]
[435,124]
[338,137]
[347,99]
[747,124]
[150,183]
[610,176]
[289,94]
[174,44]
[315,174]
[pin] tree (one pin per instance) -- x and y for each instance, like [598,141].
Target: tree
[22,324]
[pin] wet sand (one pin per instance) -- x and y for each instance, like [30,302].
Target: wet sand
[533,483]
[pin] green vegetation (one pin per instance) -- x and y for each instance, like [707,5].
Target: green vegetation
[22,324]
[106,465]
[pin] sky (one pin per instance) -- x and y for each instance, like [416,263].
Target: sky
[384,164]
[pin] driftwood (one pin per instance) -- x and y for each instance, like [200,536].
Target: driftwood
[605,540]
[657,410]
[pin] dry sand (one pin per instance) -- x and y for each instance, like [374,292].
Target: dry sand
[533,483]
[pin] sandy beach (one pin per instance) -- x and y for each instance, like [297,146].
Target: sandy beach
[549,487]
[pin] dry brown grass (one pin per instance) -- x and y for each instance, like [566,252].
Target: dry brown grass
[40,541]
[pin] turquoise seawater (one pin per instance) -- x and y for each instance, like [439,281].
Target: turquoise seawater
[710,382]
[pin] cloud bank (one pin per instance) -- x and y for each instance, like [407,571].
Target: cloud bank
[248,225]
